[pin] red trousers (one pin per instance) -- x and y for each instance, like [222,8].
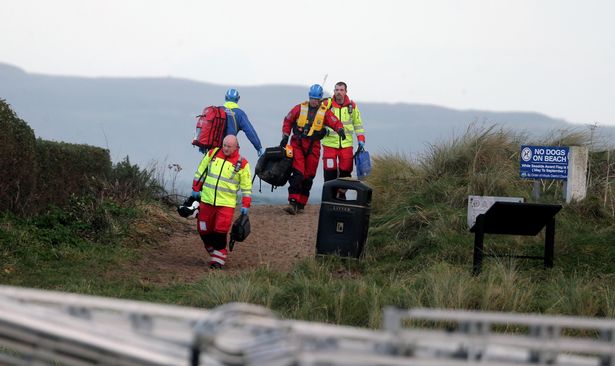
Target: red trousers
[336,162]
[305,163]
[213,223]
[214,219]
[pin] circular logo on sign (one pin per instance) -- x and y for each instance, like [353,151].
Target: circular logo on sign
[526,154]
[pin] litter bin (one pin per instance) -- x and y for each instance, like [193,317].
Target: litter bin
[343,221]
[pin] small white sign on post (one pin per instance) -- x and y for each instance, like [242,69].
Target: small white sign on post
[480,204]
[576,184]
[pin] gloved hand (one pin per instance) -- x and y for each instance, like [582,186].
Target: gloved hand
[196,195]
[202,150]
[342,133]
[244,210]
[260,152]
[361,145]
[284,141]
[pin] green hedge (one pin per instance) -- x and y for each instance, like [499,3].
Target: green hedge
[69,169]
[17,161]
[37,173]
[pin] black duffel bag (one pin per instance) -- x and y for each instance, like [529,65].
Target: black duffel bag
[240,230]
[274,166]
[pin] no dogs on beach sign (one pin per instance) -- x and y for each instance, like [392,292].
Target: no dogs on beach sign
[544,162]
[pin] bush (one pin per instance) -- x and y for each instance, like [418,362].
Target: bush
[86,218]
[67,169]
[128,181]
[42,173]
[17,161]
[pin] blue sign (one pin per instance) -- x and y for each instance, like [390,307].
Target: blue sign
[544,162]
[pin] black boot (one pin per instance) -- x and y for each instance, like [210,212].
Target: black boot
[292,207]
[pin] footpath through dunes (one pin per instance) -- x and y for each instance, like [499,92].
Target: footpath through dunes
[277,240]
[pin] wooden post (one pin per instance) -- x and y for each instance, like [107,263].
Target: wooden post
[536,191]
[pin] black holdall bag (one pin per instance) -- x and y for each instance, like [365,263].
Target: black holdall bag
[240,230]
[274,166]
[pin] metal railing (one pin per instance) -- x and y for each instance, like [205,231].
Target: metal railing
[40,327]
[489,336]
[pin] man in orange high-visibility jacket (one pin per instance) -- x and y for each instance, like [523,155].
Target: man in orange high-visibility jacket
[337,153]
[221,173]
[307,122]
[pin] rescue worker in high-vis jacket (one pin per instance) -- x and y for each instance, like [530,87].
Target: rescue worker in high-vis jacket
[237,120]
[307,123]
[337,153]
[221,173]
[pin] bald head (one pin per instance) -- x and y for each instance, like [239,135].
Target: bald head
[230,145]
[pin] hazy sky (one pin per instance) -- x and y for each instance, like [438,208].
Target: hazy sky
[551,56]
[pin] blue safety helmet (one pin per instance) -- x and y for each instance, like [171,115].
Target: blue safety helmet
[232,95]
[315,92]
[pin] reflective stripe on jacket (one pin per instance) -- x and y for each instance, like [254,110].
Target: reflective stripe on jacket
[224,176]
[350,116]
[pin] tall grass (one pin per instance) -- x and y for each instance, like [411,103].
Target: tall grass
[421,222]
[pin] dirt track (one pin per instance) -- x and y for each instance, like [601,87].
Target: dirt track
[277,240]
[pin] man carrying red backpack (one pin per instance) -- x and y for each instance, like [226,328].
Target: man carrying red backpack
[217,122]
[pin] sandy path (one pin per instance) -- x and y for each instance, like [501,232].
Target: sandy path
[277,240]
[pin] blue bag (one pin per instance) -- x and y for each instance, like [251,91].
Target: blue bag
[362,163]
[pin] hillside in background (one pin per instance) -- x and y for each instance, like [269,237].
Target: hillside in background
[152,119]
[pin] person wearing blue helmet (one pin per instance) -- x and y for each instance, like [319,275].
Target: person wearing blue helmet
[315,92]
[307,122]
[237,120]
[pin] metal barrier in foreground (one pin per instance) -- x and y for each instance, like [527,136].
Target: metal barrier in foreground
[40,327]
[495,337]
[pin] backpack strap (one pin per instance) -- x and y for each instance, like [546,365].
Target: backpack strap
[237,166]
[215,151]
[234,120]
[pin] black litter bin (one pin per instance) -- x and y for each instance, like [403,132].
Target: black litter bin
[343,221]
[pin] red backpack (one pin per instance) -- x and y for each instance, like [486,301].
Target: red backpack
[210,128]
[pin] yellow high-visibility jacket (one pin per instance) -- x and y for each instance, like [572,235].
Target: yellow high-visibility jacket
[219,178]
[350,116]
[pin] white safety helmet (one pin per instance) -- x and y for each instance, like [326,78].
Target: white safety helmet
[189,212]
